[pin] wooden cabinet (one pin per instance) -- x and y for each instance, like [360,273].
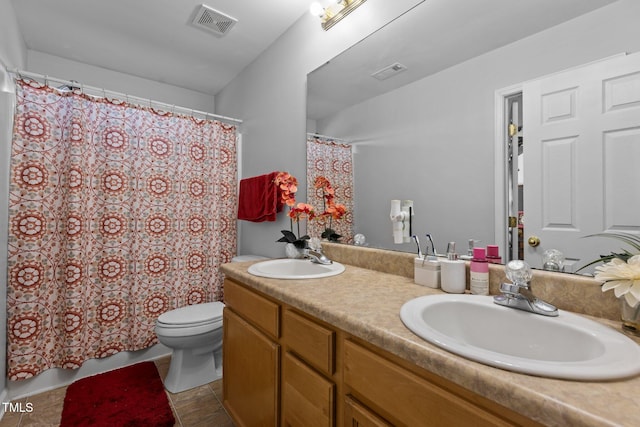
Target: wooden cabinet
[251,370]
[251,357]
[308,387]
[283,367]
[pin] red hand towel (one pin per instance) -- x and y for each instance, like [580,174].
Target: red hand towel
[259,198]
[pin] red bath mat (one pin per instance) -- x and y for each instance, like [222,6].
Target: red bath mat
[130,396]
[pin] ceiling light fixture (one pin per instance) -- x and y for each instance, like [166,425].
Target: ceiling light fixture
[331,12]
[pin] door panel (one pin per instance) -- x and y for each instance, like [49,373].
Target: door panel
[582,138]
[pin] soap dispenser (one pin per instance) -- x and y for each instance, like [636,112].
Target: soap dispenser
[453,272]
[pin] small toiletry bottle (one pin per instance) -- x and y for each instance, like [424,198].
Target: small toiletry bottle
[426,272]
[479,272]
[469,254]
[493,254]
[453,272]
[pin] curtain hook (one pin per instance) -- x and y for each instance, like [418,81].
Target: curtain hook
[46,80]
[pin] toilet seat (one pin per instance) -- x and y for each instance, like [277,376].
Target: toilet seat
[206,316]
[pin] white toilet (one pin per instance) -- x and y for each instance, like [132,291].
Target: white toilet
[194,333]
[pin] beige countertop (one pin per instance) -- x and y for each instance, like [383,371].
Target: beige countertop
[366,304]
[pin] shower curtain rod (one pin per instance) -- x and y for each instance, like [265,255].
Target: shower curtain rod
[136,99]
[317,135]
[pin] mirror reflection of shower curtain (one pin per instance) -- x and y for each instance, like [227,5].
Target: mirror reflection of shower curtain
[333,160]
[118,213]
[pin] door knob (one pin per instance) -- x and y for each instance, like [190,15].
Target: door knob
[533,241]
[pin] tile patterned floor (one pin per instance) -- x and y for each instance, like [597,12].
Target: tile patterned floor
[198,407]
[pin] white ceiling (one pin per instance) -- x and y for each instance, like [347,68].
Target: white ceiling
[153,39]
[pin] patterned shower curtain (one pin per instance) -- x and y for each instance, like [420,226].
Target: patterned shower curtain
[118,213]
[334,161]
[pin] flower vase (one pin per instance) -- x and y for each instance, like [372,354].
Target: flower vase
[292,251]
[630,317]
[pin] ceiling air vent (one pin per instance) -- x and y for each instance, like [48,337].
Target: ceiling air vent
[213,21]
[389,71]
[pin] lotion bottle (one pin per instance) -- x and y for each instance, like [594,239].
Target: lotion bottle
[493,254]
[479,272]
[453,272]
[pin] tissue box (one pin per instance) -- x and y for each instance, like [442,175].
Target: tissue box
[427,272]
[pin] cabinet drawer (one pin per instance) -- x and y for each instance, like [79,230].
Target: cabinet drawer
[312,342]
[356,415]
[308,399]
[261,312]
[405,398]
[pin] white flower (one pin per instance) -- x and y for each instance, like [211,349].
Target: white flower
[622,277]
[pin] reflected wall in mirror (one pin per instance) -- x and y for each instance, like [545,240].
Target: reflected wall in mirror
[433,131]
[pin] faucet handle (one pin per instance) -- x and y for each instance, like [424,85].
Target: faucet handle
[509,289]
[519,272]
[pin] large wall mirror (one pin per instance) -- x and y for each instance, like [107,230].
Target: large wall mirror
[425,104]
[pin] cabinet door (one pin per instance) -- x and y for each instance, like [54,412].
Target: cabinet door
[250,363]
[308,399]
[356,415]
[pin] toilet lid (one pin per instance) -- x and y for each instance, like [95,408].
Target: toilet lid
[192,314]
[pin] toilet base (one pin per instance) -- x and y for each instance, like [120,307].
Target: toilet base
[189,370]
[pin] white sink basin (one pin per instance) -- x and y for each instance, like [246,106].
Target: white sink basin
[295,269]
[568,346]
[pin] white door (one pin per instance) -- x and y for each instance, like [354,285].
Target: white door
[582,159]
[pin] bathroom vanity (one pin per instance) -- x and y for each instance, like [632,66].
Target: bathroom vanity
[334,351]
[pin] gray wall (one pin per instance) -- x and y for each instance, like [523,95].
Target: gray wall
[270,96]
[90,75]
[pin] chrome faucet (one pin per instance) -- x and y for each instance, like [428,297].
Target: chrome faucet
[518,295]
[316,256]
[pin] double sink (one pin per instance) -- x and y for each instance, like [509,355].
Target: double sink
[568,346]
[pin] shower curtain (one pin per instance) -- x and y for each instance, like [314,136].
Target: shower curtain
[334,161]
[117,213]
